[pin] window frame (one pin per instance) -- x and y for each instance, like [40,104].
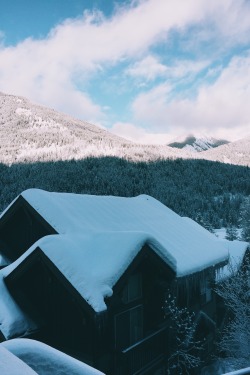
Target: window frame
[126,294]
[205,291]
[128,311]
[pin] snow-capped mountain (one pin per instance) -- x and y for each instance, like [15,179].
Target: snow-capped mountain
[237,152]
[196,143]
[30,133]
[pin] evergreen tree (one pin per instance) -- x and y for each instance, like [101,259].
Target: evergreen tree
[245,220]
[234,343]
[231,230]
[231,233]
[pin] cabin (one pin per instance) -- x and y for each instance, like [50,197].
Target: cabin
[89,275]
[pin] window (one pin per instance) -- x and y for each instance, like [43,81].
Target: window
[133,288]
[205,291]
[128,327]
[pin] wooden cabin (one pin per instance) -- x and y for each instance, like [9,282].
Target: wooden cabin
[95,277]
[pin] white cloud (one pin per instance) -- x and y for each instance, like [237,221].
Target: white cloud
[183,68]
[138,134]
[150,107]
[219,108]
[235,23]
[149,68]
[46,70]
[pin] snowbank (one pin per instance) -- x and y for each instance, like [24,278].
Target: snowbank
[45,360]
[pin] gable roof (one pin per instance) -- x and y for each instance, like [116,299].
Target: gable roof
[91,263]
[99,236]
[13,321]
[187,248]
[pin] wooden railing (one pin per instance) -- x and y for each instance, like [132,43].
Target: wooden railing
[145,353]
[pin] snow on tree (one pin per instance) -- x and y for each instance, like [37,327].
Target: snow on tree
[234,343]
[185,354]
[231,233]
[245,219]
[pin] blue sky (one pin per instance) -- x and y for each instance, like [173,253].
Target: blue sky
[148,70]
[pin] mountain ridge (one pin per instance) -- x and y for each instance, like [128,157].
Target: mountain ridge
[31,132]
[197,143]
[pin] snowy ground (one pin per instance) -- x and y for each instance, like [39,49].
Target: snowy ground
[220,233]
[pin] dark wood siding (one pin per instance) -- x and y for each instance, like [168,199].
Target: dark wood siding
[151,346]
[63,322]
[20,228]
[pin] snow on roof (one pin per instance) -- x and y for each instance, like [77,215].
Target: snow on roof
[13,320]
[99,236]
[93,263]
[3,261]
[45,360]
[243,371]
[236,250]
[189,250]
[11,365]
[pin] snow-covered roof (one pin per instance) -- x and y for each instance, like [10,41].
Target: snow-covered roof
[43,359]
[99,236]
[187,249]
[236,250]
[3,261]
[11,365]
[93,263]
[13,321]
[243,371]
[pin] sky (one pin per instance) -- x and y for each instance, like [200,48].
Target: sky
[147,70]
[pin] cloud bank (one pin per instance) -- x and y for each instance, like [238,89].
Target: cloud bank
[168,92]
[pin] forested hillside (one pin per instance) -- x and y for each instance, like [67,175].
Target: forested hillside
[31,133]
[209,192]
[42,148]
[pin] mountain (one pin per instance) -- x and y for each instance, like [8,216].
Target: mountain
[30,133]
[237,153]
[42,148]
[196,143]
[208,148]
